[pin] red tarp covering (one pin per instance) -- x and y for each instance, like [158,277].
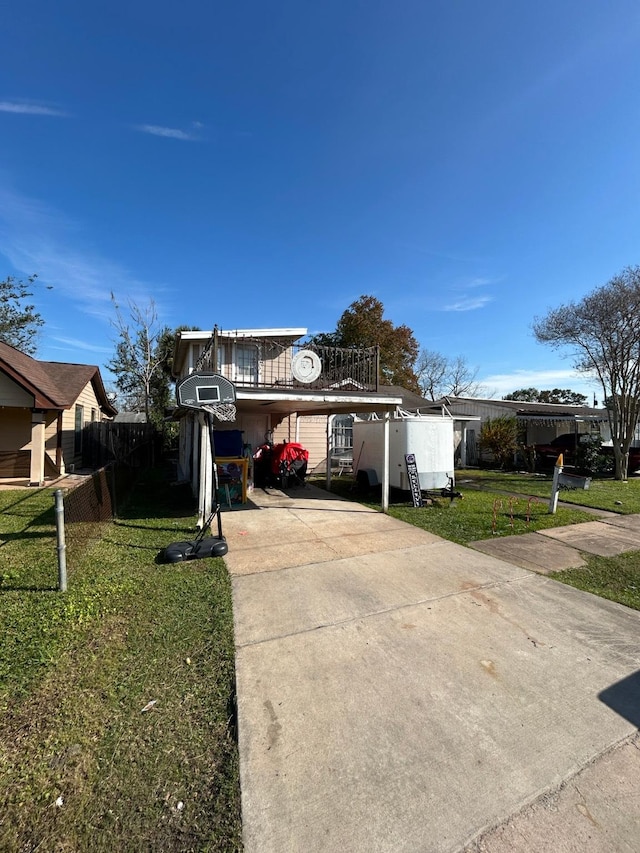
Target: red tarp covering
[287,453]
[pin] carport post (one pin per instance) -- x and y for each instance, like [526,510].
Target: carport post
[329,449]
[385,464]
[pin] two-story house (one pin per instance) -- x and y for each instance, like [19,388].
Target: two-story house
[286,390]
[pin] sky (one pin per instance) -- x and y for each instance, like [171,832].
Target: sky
[253,164]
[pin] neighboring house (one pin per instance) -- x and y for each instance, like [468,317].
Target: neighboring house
[44,407]
[279,383]
[540,422]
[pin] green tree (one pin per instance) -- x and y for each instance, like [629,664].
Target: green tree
[524,395]
[557,395]
[500,436]
[19,320]
[602,332]
[363,325]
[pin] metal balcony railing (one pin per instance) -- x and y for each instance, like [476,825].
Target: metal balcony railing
[260,363]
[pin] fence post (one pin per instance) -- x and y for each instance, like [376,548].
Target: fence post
[62,547]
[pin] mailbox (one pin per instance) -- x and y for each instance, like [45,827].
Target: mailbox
[573,481]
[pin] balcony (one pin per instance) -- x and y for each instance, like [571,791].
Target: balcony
[259,363]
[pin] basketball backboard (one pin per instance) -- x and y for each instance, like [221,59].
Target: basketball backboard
[201,390]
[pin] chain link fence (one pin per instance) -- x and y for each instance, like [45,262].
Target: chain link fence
[95,499]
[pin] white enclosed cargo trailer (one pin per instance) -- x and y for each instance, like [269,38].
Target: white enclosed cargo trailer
[428,437]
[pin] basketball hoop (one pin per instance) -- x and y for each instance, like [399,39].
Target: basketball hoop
[210,392]
[221,411]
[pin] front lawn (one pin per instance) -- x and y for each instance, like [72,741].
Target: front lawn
[483,515]
[117,723]
[604,493]
[616,578]
[480,514]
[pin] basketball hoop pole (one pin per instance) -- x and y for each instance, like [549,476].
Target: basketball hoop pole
[215,502]
[212,396]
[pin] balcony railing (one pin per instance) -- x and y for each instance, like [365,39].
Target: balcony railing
[260,363]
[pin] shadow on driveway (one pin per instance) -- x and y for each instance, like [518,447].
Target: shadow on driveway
[623,697]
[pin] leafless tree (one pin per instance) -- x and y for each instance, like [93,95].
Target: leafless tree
[440,376]
[138,358]
[602,332]
[462,379]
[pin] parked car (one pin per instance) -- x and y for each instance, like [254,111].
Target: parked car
[547,454]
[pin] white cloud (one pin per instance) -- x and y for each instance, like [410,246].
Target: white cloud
[75,343]
[27,108]
[37,238]
[505,383]
[469,304]
[167,132]
[478,282]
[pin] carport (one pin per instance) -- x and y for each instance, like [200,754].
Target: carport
[277,405]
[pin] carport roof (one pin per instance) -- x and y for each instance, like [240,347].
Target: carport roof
[531,411]
[314,402]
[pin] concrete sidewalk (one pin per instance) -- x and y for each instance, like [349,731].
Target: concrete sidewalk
[560,548]
[399,692]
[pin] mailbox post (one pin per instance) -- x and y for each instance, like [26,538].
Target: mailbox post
[568,481]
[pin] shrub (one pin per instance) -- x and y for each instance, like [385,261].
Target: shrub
[500,437]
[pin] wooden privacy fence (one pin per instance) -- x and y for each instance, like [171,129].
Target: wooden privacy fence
[108,441]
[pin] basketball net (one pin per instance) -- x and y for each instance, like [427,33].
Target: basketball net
[222,411]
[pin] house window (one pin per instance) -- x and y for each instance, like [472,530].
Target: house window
[342,433]
[94,415]
[77,438]
[246,364]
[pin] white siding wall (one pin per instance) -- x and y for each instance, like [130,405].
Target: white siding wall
[312,431]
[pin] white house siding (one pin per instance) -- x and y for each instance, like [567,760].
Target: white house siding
[309,430]
[312,434]
[286,430]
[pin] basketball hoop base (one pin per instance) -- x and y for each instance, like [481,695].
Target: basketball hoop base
[194,549]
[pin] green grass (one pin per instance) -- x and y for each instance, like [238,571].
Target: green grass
[616,578]
[77,669]
[606,494]
[481,514]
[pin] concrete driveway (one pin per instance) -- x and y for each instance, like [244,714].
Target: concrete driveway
[399,692]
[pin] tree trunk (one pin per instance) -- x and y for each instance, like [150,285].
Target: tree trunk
[622,462]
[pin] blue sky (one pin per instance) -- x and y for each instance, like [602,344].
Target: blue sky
[260,164]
